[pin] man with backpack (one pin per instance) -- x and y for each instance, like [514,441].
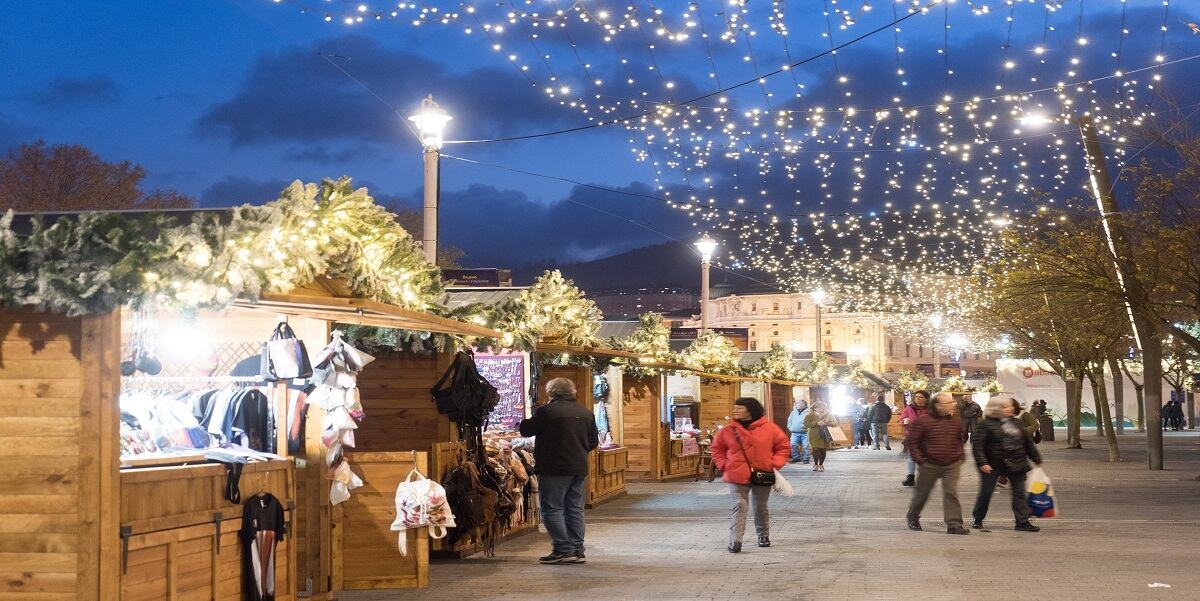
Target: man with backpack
[566,433]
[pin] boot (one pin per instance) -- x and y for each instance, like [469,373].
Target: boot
[764,541]
[910,480]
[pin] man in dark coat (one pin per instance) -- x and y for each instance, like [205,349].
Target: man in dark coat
[566,432]
[935,441]
[879,417]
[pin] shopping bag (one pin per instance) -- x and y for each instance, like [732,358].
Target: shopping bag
[1042,503]
[284,356]
[782,486]
[421,502]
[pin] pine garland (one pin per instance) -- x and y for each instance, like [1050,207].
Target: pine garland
[911,382]
[714,353]
[820,371]
[777,364]
[551,308]
[650,340]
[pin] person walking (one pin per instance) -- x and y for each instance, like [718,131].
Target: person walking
[795,424]
[861,424]
[879,416]
[971,414]
[816,421]
[1029,422]
[566,433]
[1002,448]
[750,443]
[935,443]
[910,414]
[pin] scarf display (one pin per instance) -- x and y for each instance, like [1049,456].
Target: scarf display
[335,375]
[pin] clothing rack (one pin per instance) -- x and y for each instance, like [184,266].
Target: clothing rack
[196,379]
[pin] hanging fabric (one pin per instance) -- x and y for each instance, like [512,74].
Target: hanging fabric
[335,377]
[263,526]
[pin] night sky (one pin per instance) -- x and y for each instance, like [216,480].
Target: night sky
[228,101]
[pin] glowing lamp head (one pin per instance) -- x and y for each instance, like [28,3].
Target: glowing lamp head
[956,341]
[707,246]
[1035,120]
[818,296]
[431,123]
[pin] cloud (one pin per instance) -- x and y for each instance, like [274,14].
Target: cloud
[71,91]
[236,190]
[297,96]
[13,133]
[326,154]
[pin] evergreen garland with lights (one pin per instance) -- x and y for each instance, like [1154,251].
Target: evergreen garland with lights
[552,308]
[820,371]
[713,353]
[955,384]
[777,364]
[650,340]
[911,382]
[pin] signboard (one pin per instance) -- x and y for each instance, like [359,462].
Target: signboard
[507,374]
[472,278]
[950,370]
[926,369]
[692,333]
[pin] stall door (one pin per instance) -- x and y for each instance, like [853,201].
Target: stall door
[781,404]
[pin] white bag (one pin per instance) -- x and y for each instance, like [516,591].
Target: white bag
[782,486]
[421,502]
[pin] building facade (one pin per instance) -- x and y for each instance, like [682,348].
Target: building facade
[790,319]
[629,304]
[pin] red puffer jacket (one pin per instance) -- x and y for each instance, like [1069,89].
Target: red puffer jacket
[765,444]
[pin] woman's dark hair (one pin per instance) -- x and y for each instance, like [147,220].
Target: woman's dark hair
[753,406]
[928,397]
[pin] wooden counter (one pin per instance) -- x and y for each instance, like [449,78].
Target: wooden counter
[607,479]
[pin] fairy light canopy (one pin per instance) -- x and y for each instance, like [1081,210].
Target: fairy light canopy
[876,149]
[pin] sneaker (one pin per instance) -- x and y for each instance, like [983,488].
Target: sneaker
[821,468]
[876,448]
[977,525]
[764,541]
[887,448]
[1027,527]
[914,524]
[911,480]
[735,548]
[556,557]
[957,529]
[576,558]
[806,461]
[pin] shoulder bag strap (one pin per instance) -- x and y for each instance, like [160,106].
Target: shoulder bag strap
[744,454]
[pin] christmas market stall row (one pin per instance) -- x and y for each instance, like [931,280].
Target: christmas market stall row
[183,395]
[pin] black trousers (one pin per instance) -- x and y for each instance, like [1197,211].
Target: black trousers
[987,485]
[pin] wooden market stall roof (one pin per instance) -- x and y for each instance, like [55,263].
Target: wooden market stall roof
[593,351]
[331,300]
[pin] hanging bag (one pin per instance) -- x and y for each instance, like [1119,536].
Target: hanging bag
[1041,499]
[421,502]
[284,356]
[462,394]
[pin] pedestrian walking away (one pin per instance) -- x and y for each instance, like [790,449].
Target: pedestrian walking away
[971,414]
[879,417]
[935,443]
[566,434]
[1002,448]
[818,421]
[795,424]
[861,424]
[747,450]
[907,417]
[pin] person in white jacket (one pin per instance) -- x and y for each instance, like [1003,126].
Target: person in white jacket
[801,451]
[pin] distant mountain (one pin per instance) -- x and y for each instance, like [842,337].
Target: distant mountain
[668,265]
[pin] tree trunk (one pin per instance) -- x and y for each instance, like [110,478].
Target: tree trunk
[1191,410]
[1118,395]
[1074,409]
[1152,363]
[1140,391]
[1100,395]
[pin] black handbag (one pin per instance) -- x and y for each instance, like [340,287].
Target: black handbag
[757,478]
[463,395]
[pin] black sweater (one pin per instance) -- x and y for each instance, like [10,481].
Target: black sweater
[992,444]
[566,433]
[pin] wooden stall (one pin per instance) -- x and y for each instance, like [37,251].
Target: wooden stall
[80,522]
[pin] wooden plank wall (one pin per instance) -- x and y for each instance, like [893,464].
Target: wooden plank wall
[401,414]
[172,550]
[716,402]
[366,551]
[58,445]
[640,399]
[781,404]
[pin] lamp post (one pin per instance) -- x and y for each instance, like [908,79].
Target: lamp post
[707,246]
[431,121]
[818,297]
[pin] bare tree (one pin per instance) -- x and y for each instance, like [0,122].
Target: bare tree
[69,177]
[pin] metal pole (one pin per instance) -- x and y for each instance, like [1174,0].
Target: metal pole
[429,231]
[1145,335]
[818,331]
[704,295]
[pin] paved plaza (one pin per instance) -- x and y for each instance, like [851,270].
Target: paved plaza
[843,538]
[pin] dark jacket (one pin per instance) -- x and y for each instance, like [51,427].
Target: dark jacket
[566,433]
[935,439]
[879,413]
[1003,444]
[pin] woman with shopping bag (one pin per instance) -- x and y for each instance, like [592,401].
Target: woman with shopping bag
[1002,447]
[749,451]
[819,422]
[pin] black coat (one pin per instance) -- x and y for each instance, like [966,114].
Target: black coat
[566,433]
[879,413]
[1003,444]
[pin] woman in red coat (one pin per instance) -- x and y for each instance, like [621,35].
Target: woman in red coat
[749,441]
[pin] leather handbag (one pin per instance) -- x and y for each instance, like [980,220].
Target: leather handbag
[757,478]
[284,356]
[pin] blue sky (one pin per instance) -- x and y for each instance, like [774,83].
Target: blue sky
[229,100]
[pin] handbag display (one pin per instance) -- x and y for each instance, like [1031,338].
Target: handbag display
[421,502]
[284,356]
[757,478]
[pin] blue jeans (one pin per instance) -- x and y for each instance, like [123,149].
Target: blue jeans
[562,499]
[800,448]
[862,434]
[879,431]
[912,466]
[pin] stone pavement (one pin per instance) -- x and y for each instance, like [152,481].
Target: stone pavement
[843,538]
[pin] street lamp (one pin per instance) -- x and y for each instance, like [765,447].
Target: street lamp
[431,123]
[818,297]
[707,246]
